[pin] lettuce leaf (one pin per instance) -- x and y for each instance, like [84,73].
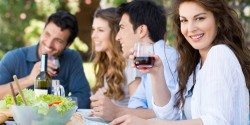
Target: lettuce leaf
[41,103]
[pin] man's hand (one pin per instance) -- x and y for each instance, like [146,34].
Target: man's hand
[34,72]
[103,107]
[52,68]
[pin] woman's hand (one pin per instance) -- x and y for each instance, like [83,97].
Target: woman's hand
[76,119]
[129,120]
[103,106]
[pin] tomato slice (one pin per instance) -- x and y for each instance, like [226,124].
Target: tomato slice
[54,103]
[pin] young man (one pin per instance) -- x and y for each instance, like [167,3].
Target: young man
[144,21]
[59,32]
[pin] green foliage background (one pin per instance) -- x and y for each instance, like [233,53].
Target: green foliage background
[22,21]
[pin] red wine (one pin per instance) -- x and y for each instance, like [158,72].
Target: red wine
[144,62]
[57,70]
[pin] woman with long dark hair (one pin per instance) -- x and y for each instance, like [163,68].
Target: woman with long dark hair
[213,69]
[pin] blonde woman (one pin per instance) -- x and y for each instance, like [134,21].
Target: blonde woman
[112,84]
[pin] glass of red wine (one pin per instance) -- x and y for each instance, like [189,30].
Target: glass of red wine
[56,62]
[144,52]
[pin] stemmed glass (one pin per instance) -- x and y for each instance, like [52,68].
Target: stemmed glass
[56,62]
[144,52]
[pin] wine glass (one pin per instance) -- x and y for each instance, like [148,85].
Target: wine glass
[144,52]
[56,62]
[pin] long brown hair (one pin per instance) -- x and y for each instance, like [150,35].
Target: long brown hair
[115,65]
[230,32]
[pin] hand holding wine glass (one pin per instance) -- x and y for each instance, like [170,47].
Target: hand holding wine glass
[154,67]
[144,55]
[53,65]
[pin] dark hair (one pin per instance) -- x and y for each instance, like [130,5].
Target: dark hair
[230,32]
[116,65]
[65,20]
[146,12]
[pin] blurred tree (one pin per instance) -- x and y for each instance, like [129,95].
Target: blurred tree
[14,17]
[242,7]
[85,17]
[22,21]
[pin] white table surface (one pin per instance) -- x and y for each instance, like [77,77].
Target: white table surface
[85,113]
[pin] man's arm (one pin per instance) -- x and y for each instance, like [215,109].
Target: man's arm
[133,77]
[7,67]
[79,86]
[24,83]
[139,98]
[138,104]
[105,108]
[133,85]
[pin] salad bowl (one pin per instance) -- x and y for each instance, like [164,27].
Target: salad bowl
[28,115]
[39,110]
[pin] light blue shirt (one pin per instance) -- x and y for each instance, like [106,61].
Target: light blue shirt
[143,95]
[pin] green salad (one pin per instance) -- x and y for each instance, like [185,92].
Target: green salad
[43,102]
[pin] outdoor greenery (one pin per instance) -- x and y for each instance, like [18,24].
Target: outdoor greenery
[22,21]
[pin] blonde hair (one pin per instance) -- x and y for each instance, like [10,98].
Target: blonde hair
[115,78]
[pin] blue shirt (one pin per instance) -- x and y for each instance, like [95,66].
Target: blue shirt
[20,62]
[143,95]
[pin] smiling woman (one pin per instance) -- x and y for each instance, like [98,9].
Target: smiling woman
[213,68]
[198,27]
[109,63]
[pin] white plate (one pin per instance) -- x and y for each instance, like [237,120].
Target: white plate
[86,114]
